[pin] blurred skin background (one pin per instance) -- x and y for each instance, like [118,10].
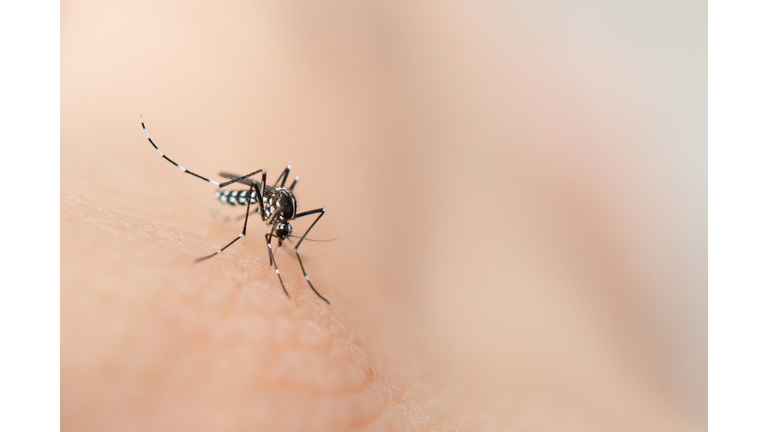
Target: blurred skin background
[517,191]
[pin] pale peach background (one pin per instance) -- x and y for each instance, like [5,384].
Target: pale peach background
[518,194]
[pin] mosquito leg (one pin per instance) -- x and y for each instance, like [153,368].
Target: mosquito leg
[169,159]
[307,277]
[245,226]
[287,170]
[268,236]
[296,249]
[295,180]
[307,213]
[283,177]
[272,260]
[215,183]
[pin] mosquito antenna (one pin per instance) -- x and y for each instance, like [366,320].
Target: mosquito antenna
[312,240]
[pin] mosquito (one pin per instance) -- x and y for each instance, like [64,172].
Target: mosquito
[276,205]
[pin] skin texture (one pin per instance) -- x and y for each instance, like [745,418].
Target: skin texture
[520,238]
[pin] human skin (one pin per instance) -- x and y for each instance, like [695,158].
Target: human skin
[487,271]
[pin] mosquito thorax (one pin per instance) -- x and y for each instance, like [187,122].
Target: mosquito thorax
[282,202]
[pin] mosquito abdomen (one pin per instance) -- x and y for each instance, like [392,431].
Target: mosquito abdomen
[235,197]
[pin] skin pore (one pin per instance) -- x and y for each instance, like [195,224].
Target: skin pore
[497,258]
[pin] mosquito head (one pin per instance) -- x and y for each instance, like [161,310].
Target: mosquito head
[283,231]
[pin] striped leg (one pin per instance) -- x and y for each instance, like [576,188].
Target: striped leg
[215,183]
[296,249]
[283,176]
[295,180]
[272,259]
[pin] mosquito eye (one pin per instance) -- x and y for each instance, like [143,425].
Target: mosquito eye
[283,230]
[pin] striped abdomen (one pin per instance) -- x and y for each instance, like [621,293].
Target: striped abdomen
[235,197]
